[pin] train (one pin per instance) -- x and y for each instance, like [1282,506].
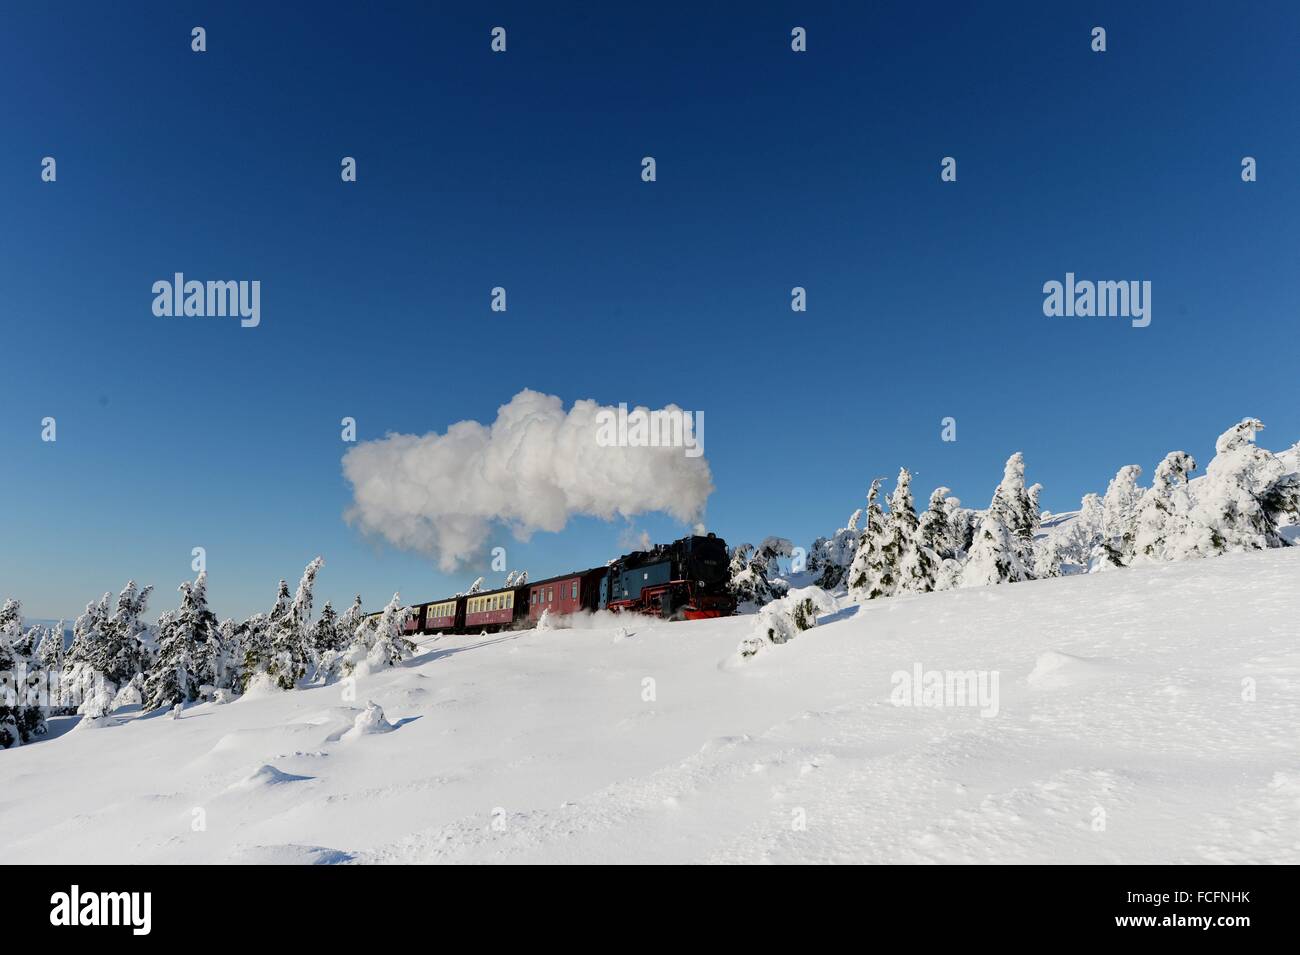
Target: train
[685,580]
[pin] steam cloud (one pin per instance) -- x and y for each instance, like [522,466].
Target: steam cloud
[531,470]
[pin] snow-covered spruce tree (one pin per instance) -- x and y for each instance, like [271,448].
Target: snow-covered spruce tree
[383,645]
[120,654]
[50,651]
[291,649]
[933,529]
[228,655]
[831,557]
[754,572]
[475,587]
[935,537]
[1118,517]
[256,638]
[187,641]
[82,687]
[325,632]
[1246,491]
[961,526]
[349,622]
[21,714]
[1079,539]
[868,576]
[1163,510]
[1020,507]
[917,563]
[996,554]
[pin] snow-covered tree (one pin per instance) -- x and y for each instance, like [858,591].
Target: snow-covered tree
[1119,516]
[228,655]
[1020,508]
[384,645]
[961,526]
[831,557]
[869,577]
[22,716]
[996,553]
[50,651]
[1246,491]
[1080,538]
[935,539]
[754,572]
[325,636]
[187,641]
[254,641]
[120,653]
[256,637]
[916,563]
[349,621]
[87,628]
[291,638]
[1164,509]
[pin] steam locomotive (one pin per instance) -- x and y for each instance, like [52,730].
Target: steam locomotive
[684,580]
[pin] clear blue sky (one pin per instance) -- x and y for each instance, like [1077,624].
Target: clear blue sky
[522,170]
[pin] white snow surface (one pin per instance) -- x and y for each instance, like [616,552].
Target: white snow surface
[1120,693]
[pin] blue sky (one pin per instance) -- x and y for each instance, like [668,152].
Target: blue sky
[775,169]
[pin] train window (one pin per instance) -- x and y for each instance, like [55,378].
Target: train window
[574,595]
[550,594]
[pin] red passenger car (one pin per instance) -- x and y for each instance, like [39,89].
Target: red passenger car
[566,594]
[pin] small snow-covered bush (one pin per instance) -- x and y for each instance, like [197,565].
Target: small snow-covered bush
[784,619]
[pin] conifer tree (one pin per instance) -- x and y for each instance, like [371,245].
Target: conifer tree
[350,620]
[868,576]
[996,554]
[1119,516]
[391,645]
[119,653]
[187,641]
[1163,510]
[325,633]
[916,564]
[1245,493]
[291,633]
[21,714]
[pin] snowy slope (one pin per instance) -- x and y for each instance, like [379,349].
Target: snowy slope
[1120,692]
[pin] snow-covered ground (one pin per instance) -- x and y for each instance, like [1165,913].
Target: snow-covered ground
[1122,735]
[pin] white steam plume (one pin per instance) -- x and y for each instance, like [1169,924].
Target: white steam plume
[532,469]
